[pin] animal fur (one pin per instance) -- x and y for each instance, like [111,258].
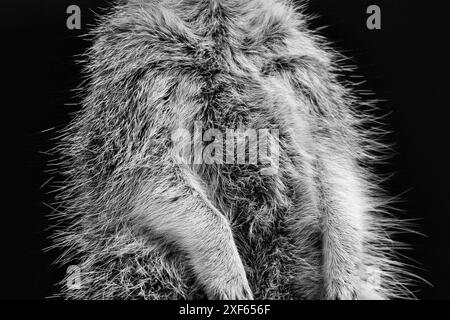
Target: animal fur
[140,223]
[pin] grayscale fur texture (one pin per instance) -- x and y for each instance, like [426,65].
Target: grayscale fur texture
[142,225]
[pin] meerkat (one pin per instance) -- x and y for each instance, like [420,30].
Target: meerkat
[144,221]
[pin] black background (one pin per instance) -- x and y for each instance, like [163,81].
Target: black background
[405,63]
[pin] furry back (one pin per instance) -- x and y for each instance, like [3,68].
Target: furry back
[142,220]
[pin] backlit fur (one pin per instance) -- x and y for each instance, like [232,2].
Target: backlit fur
[141,222]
